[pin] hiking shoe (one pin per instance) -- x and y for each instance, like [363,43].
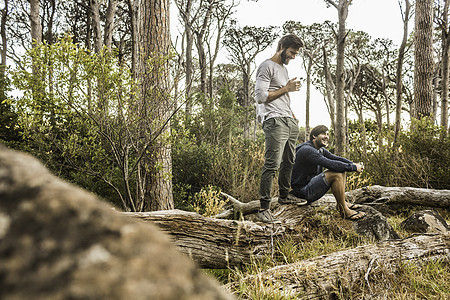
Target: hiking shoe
[266,216]
[291,199]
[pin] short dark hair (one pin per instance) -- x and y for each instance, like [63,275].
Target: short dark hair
[317,130]
[290,40]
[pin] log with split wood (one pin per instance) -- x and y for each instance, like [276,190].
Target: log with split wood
[220,243]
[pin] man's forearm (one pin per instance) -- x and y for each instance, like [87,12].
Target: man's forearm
[276,94]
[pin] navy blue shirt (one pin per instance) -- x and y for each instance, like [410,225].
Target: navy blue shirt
[310,162]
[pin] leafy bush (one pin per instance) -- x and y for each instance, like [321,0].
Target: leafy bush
[79,113]
[421,159]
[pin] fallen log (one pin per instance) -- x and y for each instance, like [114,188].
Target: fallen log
[221,243]
[215,243]
[372,195]
[320,276]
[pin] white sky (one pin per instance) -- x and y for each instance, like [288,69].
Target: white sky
[379,18]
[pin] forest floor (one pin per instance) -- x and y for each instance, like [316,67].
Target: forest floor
[331,234]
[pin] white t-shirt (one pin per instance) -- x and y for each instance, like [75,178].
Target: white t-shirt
[271,76]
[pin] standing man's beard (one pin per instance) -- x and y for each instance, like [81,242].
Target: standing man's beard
[283,57]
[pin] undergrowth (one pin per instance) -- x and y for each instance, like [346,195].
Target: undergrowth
[324,233]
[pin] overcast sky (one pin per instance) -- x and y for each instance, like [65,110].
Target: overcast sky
[379,18]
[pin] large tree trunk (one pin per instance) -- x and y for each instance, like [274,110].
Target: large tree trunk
[320,276]
[423,57]
[154,42]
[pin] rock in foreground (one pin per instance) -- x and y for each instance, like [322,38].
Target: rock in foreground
[59,242]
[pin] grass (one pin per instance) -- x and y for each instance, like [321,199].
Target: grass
[324,233]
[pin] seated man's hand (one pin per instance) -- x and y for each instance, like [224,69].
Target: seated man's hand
[359,167]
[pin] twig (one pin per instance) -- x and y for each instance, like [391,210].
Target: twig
[366,276]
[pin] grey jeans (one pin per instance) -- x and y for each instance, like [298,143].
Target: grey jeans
[281,135]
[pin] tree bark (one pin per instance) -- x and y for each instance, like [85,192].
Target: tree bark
[214,243]
[401,195]
[221,243]
[445,66]
[109,23]
[320,276]
[330,89]
[133,11]
[155,102]
[341,122]
[398,79]
[423,57]
[95,10]
[4,48]
[36,28]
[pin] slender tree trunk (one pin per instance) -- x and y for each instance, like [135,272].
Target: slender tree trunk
[36,28]
[48,35]
[399,84]
[200,35]
[133,9]
[308,97]
[109,23]
[95,10]
[36,39]
[154,41]
[445,70]
[202,64]
[331,90]
[423,57]
[340,130]
[363,132]
[4,16]
[188,63]
[386,97]
[185,9]
[436,84]
[246,100]
[88,46]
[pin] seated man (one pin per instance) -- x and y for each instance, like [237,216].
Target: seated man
[310,182]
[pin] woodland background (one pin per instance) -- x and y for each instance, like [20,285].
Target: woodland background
[100,92]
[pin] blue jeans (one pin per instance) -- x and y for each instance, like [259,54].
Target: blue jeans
[314,190]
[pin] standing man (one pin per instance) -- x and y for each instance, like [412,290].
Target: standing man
[311,183]
[272,90]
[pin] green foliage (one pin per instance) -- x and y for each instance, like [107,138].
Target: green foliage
[9,131]
[76,114]
[208,149]
[420,160]
[208,202]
